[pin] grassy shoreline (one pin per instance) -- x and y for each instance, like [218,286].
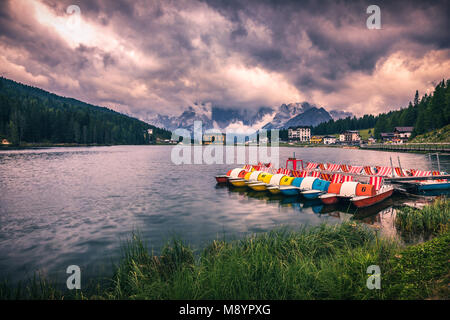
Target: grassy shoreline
[322,262]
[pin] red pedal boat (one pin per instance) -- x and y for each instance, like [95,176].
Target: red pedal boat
[364,201]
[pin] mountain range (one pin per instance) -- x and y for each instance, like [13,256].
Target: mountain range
[285,116]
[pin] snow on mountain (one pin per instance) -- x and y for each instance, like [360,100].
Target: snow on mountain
[287,115]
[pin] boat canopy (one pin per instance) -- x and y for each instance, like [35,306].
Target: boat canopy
[267,178]
[348,189]
[254,175]
[321,185]
[275,180]
[286,181]
[297,182]
[307,183]
[235,172]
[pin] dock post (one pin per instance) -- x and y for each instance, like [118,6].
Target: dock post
[399,164]
[392,167]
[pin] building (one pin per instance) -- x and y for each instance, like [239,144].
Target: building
[316,139]
[342,137]
[329,140]
[351,136]
[387,137]
[371,140]
[4,141]
[302,134]
[213,138]
[402,134]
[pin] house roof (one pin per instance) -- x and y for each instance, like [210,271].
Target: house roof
[404,129]
[387,134]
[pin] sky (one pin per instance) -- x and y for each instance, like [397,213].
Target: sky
[148,57]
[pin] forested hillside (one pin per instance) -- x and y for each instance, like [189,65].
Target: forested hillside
[32,115]
[426,114]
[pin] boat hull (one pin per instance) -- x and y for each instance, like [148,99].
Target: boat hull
[221,179]
[311,194]
[434,186]
[289,192]
[238,183]
[369,201]
[329,199]
[258,187]
[274,190]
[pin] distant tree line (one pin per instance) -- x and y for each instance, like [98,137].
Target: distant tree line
[425,114]
[32,115]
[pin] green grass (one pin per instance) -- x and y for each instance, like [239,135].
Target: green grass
[365,133]
[431,219]
[421,271]
[438,135]
[318,263]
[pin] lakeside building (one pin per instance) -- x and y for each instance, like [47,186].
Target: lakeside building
[329,140]
[402,134]
[316,139]
[342,137]
[351,136]
[302,134]
[371,140]
[214,138]
[5,142]
[387,137]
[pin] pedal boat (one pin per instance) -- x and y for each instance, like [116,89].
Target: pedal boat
[237,177]
[262,183]
[274,183]
[365,201]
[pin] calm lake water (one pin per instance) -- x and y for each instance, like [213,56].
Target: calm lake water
[64,206]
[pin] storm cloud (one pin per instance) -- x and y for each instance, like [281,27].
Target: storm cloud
[146,57]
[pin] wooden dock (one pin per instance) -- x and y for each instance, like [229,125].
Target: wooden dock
[406,147]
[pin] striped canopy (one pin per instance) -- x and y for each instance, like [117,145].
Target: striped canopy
[315,174]
[356,169]
[376,181]
[285,171]
[384,171]
[421,173]
[400,172]
[337,178]
[333,167]
[311,165]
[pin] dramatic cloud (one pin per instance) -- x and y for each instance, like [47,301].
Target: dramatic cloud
[145,57]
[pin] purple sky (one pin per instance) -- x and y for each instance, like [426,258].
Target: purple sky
[144,57]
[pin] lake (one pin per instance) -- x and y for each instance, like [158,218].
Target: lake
[65,206]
